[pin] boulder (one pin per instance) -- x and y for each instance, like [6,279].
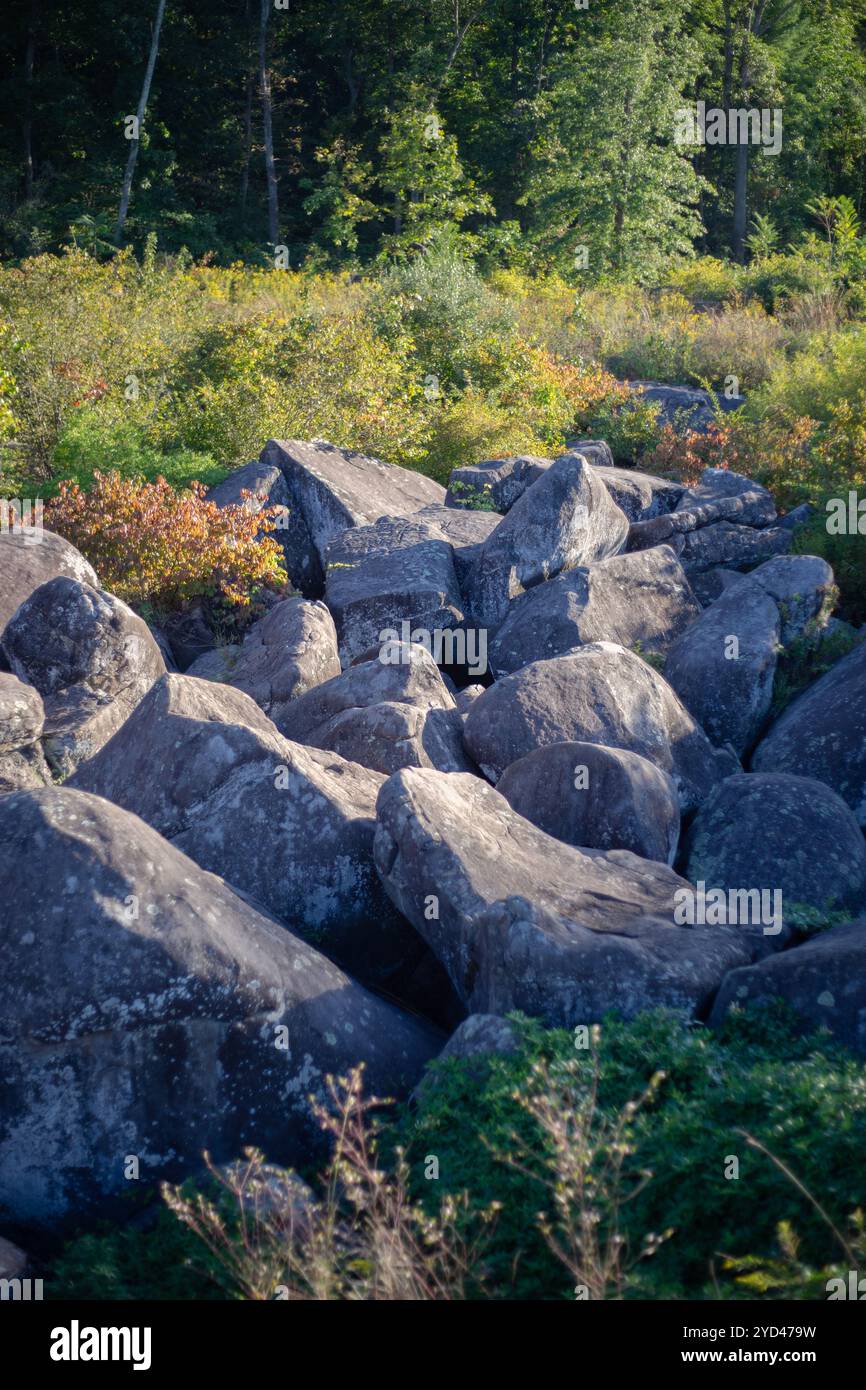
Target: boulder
[465,529]
[522,921]
[643,598]
[335,488]
[410,676]
[478,1038]
[823,981]
[30,559]
[716,483]
[495,485]
[723,666]
[685,407]
[599,693]
[189,635]
[290,826]
[802,587]
[381,576]
[290,651]
[777,831]
[91,659]
[567,518]
[708,585]
[732,545]
[152,1013]
[265,487]
[640,495]
[22,717]
[601,798]
[822,733]
[390,735]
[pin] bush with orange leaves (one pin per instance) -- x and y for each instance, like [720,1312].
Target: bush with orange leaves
[152,545]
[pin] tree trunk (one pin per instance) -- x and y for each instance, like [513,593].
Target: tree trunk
[248,121]
[741,183]
[142,107]
[270,170]
[741,188]
[29,60]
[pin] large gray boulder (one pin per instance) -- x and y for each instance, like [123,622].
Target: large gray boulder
[379,577]
[30,559]
[408,676]
[22,716]
[522,921]
[640,598]
[686,408]
[599,693]
[259,485]
[776,831]
[822,733]
[495,484]
[290,826]
[385,715]
[567,518]
[91,659]
[334,488]
[392,735]
[730,544]
[148,1012]
[823,981]
[597,797]
[723,666]
[291,650]
[640,495]
[465,529]
[801,586]
[716,483]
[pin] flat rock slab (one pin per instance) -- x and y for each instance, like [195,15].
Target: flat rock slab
[822,733]
[379,577]
[787,834]
[147,1009]
[599,693]
[716,483]
[629,599]
[30,560]
[823,982]
[522,921]
[335,488]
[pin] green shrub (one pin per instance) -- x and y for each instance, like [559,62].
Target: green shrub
[805,1098]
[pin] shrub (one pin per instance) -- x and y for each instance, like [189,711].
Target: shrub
[92,442]
[150,544]
[706,280]
[804,1098]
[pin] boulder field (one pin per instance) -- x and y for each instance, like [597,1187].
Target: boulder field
[506,745]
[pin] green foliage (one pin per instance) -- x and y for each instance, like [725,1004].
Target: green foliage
[806,1099]
[806,658]
[155,1258]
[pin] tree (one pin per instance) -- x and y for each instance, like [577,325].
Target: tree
[140,114]
[267,126]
